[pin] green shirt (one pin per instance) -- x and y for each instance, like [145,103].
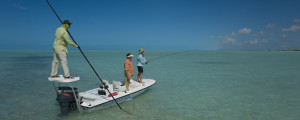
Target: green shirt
[62,40]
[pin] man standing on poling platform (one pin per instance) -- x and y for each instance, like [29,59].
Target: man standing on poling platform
[60,50]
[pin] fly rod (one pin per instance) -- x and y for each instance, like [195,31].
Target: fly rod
[87,59]
[164,56]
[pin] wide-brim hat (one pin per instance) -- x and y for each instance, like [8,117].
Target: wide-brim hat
[142,50]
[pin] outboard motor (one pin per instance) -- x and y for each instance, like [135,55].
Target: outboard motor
[66,99]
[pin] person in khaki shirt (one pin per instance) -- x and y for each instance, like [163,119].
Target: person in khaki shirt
[128,70]
[60,50]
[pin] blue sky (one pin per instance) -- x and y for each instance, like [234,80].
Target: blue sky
[154,24]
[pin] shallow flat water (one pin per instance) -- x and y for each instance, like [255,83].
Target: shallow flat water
[193,85]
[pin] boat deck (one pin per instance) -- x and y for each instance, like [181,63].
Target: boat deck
[91,98]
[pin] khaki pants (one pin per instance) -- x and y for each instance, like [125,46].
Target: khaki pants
[60,57]
[127,81]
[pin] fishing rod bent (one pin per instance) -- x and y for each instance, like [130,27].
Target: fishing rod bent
[87,59]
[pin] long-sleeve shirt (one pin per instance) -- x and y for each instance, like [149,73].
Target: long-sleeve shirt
[128,66]
[62,40]
[141,60]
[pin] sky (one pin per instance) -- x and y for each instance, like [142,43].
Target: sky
[154,24]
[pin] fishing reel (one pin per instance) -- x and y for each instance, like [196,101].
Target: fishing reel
[101,91]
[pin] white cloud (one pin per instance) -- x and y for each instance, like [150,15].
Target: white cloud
[261,33]
[297,20]
[283,36]
[241,31]
[272,36]
[271,26]
[255,41]
[20,7]
[230,40]
[233,33]
[244,31]
[264,41]
[293,28]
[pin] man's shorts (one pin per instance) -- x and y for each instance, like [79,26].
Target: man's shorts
[140,69]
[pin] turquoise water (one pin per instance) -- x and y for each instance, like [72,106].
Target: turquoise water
[191,85]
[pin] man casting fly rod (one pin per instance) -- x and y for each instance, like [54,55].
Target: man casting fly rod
[141,60]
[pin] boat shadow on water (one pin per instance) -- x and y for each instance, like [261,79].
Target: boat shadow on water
[29,62]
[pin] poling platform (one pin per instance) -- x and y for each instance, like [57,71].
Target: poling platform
[63,80]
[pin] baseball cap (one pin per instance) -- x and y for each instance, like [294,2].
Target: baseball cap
[66,22]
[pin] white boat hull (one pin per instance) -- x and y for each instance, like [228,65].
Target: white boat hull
[92,101]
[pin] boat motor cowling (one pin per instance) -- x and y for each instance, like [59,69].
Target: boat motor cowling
[65,98]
